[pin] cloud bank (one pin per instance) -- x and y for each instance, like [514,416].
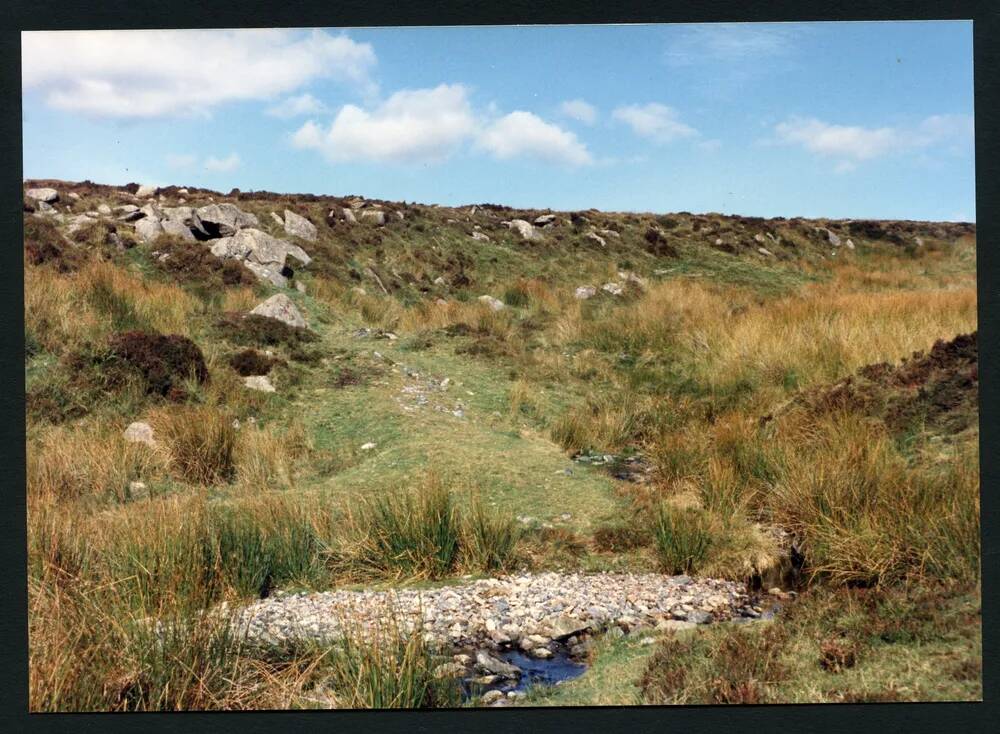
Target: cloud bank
[149,74]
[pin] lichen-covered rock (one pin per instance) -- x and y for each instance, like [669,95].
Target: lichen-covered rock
[281,307]
[139,432]
[224,220]
[298,226]
[49,196]
[148,229]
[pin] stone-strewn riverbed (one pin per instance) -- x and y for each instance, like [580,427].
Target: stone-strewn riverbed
[526,610]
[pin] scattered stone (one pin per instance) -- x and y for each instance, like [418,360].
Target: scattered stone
[614,289]
[699,617]
[281,308]
[479,236]
[259,382]
[367,446]
[596,238]
[299,226]
[145,191]
[277,219]
[491,697]
[584,292]
[494,303]
[137,490]
[139,432]
[545,220]
[511,610]
[348,216]
[849,245]
[74,196]
[104,209]
[765,252]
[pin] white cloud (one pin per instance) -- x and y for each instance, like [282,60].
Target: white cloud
[730,43]
[851,144]
[579,109]
[145,74]
[850,141]
[181,160]
[418,124]
[524,134]
[229,163]
[655,121]
[303,104]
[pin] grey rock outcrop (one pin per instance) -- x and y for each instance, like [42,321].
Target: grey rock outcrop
[523,228]
[47,195]
[281,308]
[225,220]
[260,253]
[299,226]
[148,229]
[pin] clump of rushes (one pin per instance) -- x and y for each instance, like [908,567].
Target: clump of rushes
[201,442]
[489,538]
[388,668]
[682,538]
[422,534]
[401,534]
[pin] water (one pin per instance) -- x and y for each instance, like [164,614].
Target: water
[535,672]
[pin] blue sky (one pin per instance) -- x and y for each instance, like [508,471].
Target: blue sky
[811,119]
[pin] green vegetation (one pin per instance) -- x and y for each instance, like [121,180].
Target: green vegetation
[747,402]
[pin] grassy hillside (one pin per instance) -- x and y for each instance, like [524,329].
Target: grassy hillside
[712,387]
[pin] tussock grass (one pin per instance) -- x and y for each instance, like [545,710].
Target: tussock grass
[201,442]
[682,538]
[87,461]
[870,518]
[421,533]
[388,668]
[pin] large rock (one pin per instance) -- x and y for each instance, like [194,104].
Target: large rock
[187,216]
[225,220]
[523,228]
[47,195]
[148,229]
[545,220]
[261,253]
[104,210]
[376,216]
[584,292]
[177,229]
[281,307]
[145,191]
[486,663]
[299,226]
[596,238]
